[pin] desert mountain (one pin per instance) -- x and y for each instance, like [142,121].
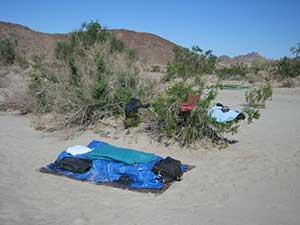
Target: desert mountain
[151,49]
[28,42]
[248,59]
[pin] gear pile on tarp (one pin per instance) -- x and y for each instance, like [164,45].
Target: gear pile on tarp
[103,163]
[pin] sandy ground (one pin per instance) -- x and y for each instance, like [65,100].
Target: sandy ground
[256,181]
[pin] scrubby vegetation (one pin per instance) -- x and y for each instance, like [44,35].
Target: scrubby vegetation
[288,68]
[195,62]
[95,77]
[190,63]
[257,97]
[169,122]
[234,72]
[7,53]
[283,70]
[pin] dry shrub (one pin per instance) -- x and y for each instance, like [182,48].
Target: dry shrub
[7,52]
[288,83]
[94,77]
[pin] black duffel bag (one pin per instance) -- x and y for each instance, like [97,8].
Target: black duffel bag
[169,169]
[75,165]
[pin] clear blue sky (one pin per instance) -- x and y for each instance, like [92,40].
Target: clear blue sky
[227,27]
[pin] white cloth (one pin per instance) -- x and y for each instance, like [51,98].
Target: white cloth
[78,149]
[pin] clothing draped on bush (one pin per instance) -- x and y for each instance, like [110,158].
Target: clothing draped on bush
[221,116]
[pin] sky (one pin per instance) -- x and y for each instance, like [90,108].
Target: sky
[230,27]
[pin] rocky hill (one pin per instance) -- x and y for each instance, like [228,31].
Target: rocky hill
[28,42]
[248,59]
[151,49]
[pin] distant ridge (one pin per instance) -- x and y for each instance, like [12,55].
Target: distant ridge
[248,59]
[29,42]
[151,49]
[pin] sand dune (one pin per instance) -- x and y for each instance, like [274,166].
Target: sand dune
[255,181]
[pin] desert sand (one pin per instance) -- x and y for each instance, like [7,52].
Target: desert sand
[253,182]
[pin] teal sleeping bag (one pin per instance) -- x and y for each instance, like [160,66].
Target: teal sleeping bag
[124,155]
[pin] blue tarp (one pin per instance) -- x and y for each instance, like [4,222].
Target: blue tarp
[222,117]
[107,170]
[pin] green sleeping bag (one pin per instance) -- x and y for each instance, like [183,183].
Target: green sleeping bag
[124,155]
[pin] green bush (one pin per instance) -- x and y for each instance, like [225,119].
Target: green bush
[7,52]
[132,54]
[190,63]
[288,67]
[90,83]
[88,35]
[40,87]
[169,122]
[63,50]
[258,96]
[252,114]
[237,71]
[256,99]
[74,76]
[116,45]
[99,90]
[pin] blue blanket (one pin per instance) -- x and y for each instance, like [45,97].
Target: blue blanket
[108,170]
[222,117]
